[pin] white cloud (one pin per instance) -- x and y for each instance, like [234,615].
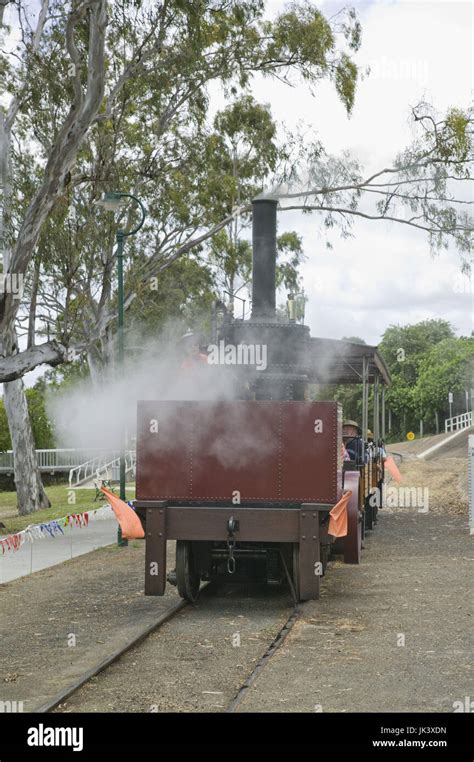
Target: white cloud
[385,274]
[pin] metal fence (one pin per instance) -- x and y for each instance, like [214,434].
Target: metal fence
[58,460]
[101,467]
[458,422]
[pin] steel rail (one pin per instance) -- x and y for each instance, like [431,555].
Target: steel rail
[65,693]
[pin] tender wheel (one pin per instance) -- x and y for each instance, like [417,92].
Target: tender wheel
[353,539]
[187,578]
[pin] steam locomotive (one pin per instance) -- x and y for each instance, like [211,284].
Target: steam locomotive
[246,486]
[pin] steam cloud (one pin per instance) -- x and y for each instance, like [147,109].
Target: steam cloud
[91,416]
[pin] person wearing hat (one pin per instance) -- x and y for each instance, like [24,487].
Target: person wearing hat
[188,345]
[371,443]
[351,436]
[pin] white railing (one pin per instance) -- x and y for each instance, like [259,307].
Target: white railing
[55,460]
[458,422]
[100,468]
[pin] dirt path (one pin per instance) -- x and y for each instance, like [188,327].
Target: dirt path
[394,634]
[445,480]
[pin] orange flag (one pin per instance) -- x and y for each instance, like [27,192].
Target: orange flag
[393,468]
[338,516]
[130,524]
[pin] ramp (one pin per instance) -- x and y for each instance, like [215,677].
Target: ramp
[448,446]
[99,469]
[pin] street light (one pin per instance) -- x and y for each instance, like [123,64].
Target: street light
[112,202]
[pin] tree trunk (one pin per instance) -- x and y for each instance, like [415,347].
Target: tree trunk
[437,421]
[29,487]
[95,366]
[31,495]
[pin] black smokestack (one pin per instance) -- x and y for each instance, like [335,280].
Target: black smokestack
[264,257]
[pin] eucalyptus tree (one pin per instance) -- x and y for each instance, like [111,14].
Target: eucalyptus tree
[83,27]
[140,72]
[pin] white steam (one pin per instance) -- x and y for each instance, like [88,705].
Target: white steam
[91,416]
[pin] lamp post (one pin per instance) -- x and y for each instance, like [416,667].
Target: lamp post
[113,201]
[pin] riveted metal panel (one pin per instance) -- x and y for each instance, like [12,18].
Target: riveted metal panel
[255,452]
[311,451]
[164,450]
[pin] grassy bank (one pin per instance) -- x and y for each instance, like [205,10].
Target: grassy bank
[61,497]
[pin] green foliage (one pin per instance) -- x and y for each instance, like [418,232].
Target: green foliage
[40,423]
[5,440]
[248,135]
[304,36]
[403,347]
[456,140]
[183,292]
[155,136]
[346,80]
[421,375]
[447,367]
[349,395]
[245,152]
[63,376]
[289,258]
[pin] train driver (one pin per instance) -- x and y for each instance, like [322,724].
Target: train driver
[191,352]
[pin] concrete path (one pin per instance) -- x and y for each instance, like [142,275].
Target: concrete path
[41,554]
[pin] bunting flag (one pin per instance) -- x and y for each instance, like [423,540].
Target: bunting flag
[52,528]
[338,516]
[130,523]
[392,468]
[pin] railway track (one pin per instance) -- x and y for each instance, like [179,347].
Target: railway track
[64,694]
[271,650]
[96,679]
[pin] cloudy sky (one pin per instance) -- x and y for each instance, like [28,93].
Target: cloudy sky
[385,274]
